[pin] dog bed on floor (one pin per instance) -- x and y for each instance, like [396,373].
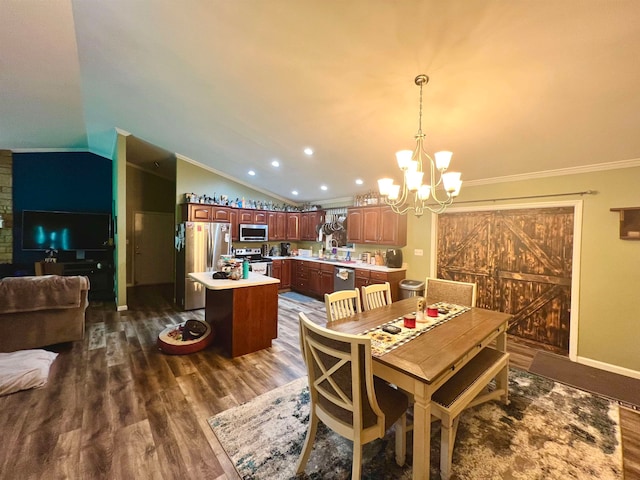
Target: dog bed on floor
[24,369]
[188,337]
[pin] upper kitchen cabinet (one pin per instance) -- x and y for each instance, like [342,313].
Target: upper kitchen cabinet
[277,222]
[308,223]
[293,226]
[378,225]
[193,212]
[252,217]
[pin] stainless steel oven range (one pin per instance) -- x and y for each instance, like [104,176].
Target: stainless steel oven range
[257,263]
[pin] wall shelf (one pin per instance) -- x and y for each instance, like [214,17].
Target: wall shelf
[629,222]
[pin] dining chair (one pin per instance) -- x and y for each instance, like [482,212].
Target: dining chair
[440,290]
[376,295]
[346,396]
[342,303]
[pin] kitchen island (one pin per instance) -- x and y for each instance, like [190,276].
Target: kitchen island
[243,313]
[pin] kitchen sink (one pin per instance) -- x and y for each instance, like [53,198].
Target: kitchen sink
[335,260]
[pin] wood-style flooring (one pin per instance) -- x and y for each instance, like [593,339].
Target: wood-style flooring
[117,408]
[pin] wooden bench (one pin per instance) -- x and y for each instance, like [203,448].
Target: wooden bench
[466,389]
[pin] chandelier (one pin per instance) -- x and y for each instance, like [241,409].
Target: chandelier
[415,190]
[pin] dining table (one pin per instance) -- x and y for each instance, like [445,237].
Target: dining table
[424,363]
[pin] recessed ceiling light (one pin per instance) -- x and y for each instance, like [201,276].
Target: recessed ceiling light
[275,163]
[308,151]
[252,173]
[359,181]
[294,192]
[324,187]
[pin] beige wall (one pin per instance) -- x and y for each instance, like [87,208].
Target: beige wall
[609,270]
[191,178]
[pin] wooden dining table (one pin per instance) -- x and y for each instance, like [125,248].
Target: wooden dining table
[420,366]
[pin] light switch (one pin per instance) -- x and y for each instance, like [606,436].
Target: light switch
[418,252]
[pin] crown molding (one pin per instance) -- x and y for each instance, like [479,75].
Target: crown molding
[597,167]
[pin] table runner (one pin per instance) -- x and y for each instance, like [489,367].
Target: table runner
[383,342]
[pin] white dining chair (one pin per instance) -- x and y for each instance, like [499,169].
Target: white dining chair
[376,295]
[345,395]
[341,304]
[440,290]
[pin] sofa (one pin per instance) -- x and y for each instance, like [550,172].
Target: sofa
[36,311]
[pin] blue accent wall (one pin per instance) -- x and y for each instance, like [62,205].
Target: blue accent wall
[63,181]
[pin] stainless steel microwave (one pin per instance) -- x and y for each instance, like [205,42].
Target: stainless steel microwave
[254,233]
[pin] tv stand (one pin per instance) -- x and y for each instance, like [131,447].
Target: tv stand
[100,275]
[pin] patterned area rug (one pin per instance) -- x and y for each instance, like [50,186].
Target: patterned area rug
[549,431]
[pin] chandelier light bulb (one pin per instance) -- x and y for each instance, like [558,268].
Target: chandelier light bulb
[450,181]
[423,192]
[413,179]
[384,185]
[394,192]
[404,158]
[456,191]
[443,159]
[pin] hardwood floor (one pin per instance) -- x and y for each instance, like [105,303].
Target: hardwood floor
[117,408]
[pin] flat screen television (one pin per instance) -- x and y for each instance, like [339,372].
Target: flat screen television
[73,231]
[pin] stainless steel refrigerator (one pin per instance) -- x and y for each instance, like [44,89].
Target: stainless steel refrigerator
[200,245]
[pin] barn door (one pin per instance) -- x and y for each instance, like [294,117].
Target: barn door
[521,260]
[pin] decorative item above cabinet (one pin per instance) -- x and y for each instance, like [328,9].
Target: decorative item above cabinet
[629,222]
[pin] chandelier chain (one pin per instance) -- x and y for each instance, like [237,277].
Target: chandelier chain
[420,117]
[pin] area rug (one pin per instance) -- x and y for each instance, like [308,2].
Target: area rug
[549,431]
[298,297]
[625,390]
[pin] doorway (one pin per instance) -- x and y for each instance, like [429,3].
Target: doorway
[153,252]
[522,262]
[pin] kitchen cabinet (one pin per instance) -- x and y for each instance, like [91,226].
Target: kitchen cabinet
[192,212]
[306,278]
[300,276]
[378,225]
[281,269]
[252,217]
[277,222]
[282,225]
[293,226]
[285,279]
[221,214]
[361,278]
[365,277]
[316,278]
[195,212]
[308,223]
[354,225]
[326,279]
[313,269]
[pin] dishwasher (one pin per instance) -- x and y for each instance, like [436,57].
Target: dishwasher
[344,278]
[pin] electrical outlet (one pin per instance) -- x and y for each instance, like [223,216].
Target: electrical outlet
[418,252]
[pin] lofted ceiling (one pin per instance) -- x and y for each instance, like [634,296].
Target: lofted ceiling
[516,87]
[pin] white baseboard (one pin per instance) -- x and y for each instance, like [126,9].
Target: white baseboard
[122,308]
[608,367]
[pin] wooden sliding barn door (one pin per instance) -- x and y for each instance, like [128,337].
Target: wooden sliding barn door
[521,261]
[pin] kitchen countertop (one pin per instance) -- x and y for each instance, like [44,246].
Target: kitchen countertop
[254,280]
[350,264]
